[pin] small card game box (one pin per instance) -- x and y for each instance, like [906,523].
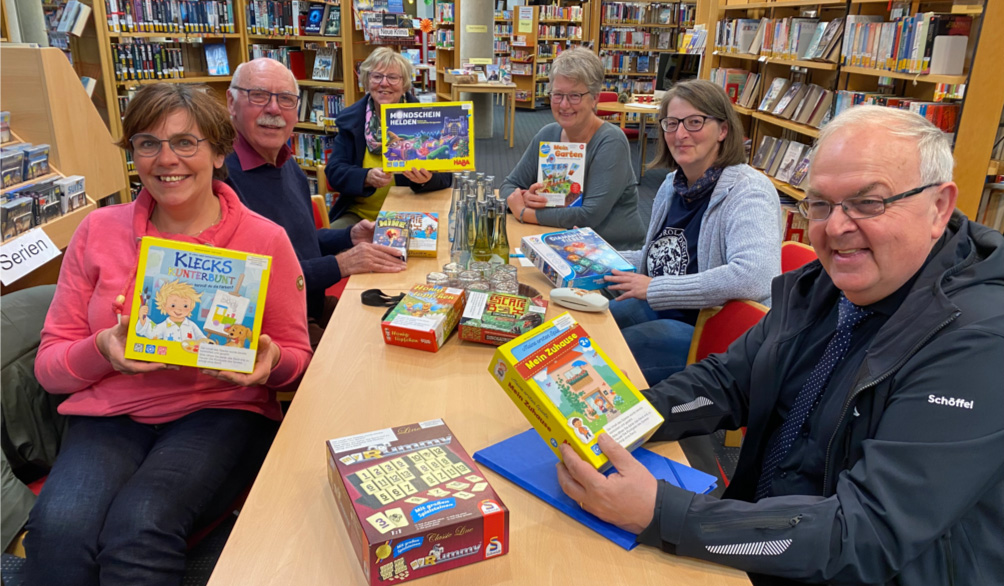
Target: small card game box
[390,230]
[424,318]
[571,392]
[414,503]
[577,258]
[495,318]
[423,230]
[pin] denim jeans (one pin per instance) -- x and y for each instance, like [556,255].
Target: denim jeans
[659,346]
[123,496]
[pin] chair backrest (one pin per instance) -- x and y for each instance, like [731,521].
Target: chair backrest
[320,212]
[795,254]
[717,327]
[606,97]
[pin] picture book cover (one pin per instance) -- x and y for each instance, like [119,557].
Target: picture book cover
[315,19]
[197,305]
[571,392]
[423,231]
[561,168]
[424,318]
[391,230]
[491,317]
[333,24]
[574,258]
[324,65]
[436,137]
[216,59]
[414,502]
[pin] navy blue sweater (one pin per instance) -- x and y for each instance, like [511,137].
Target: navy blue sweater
[344,170]
[281,194]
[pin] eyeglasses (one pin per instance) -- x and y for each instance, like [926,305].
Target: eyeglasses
[856,208]
[572,99]
[285,100]
[148,145]
[690,123]
[392,79]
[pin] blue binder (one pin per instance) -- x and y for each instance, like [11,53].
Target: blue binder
[526,460]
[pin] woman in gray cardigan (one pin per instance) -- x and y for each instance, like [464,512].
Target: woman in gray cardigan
[714,234]
[610,196]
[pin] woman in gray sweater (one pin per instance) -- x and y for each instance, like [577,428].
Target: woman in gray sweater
[714,233]
[610,197]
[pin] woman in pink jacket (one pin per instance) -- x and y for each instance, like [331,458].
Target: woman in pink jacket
[151,449]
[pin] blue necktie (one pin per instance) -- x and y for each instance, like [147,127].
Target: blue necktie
[848,317]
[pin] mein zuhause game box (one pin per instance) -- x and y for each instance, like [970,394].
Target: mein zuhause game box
[197,305]
[571,392]
[414,502]
[574,258]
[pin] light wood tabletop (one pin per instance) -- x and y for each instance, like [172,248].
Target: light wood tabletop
[290,531]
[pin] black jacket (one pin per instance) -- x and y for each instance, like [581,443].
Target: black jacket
[914,481]
[344,170]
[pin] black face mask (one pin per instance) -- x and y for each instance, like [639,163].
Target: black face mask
[377,298]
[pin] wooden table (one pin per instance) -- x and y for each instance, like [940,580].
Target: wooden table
[645,111]
[507,91]
[290,531]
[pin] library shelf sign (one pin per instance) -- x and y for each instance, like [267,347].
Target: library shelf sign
[24,254]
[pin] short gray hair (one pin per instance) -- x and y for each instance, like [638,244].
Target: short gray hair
[238,79]
[385,58]
[581,65]
[933,148]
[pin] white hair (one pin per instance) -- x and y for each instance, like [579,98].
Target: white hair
[238,79]
[579,65]
[932,145]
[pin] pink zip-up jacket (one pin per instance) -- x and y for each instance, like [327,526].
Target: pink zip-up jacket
[100,264]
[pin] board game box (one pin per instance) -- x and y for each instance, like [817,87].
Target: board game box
[436,137]
[391,230]
[414,502]
[577,258]
[424,318]
[561,169]
[571,392]
[423,231]
[495,318]
[197,305]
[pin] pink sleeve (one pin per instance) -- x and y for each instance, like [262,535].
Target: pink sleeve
[285,319]
[68,359]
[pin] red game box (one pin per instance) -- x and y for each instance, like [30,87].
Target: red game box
[414,503]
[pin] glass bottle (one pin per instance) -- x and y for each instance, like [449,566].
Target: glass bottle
[454,204]
[482,250]
[500,247]
[459,249]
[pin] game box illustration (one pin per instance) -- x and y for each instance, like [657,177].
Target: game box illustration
[414,502]
[423,231]
[390,230]
[574,258]
[571,392]
[424,318]
[561,169]
[495,318]
[436,137]
[197,305]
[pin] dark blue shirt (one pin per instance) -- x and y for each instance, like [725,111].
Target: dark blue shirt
[674,248]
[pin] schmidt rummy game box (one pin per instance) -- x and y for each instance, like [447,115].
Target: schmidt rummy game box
[574,258]
[571,392]
[414,502]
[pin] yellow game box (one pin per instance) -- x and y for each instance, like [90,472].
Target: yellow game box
[571,392]
[197,305]
[436,137]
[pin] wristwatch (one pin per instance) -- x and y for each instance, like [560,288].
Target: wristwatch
[521,214]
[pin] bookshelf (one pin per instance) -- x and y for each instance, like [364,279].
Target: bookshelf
[447,36]
[850,76]
[502,33]
[524,56]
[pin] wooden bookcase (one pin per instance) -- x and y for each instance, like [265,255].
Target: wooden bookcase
[984,93]
[447,38]
[502,36]
[524,56]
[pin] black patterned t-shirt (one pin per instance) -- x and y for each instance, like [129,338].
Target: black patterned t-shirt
[674,248]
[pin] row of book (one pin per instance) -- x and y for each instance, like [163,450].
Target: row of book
[137,59]
[641,40]
[320,106]
[522,69]
[326,65]
[503,29]
[692,42]
[783,159]
[551,12]
[541,90]
[794,226]
[648,13]
[444,13]
[171,16]
[740,85]
[311,149]
[444,38]
[620,62]
[36,203]
[928,42]
[783,38]
[293,17]
[549,51]
[560,31]
[804,103]
[500,46]
[944,115]
[631,86]
[503,15]
[543,69]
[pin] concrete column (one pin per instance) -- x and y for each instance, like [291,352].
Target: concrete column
[476,25]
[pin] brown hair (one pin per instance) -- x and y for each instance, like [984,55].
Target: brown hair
[711,100]
[153,103]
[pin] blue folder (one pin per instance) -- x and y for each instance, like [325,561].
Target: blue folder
[526,460]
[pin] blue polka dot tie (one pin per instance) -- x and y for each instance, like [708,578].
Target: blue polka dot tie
[848,318]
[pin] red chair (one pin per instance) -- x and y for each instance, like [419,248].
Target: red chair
[321,221]
[630,133]
[716,328]
[795,254]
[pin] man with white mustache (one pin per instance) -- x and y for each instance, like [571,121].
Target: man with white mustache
[263,101]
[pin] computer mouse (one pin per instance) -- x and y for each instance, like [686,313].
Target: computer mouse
[580,299]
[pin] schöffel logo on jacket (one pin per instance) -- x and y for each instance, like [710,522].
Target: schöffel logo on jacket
[950,402]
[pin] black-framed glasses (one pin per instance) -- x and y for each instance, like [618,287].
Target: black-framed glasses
[148,145]
[286,100]
[572,98]
[858,207]
[392,79]
[690,123]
